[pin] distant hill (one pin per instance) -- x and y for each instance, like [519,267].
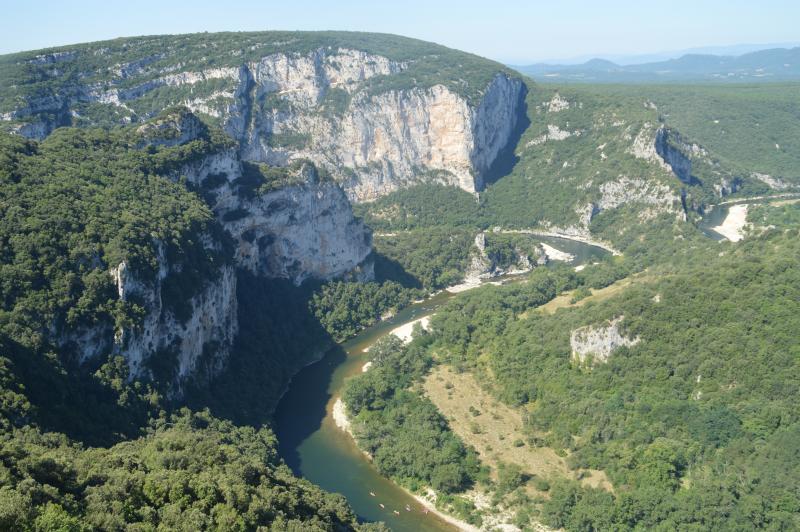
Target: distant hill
[777,64]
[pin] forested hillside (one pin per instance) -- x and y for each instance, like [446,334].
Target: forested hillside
[692,423]
[71,207]
[190,471]
[162,280]
[618,162]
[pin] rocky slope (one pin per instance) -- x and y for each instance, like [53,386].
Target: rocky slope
[379,113]
[594,344]
[315,119]
[294,223]
[290,223]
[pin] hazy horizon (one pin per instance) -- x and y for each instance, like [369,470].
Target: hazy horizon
[511,31]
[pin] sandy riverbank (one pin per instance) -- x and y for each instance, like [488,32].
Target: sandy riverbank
[732,227]
[469,284]
[405,332]
[339,414]
[556,254]
[431,507]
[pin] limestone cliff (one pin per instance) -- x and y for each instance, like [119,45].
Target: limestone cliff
[197,346]
[330,121]
[365,117]
[297,226]
[594,344]
[300,228]
[165,345]
[379,143]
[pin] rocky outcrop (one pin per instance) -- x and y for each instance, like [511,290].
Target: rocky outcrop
[299,232]
[771,182]
[672,151]
[203,339]
[164,345]
[302,227]
[624,190]
[646,145]
[594,344]
[376,143]
[320,106]
[484,263]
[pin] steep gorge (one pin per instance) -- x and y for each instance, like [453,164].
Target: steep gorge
[313,123]
[374,122]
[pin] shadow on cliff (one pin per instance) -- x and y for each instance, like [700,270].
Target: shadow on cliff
[279,342]
[387,269]
[278,335]
[507,159]
[79,401]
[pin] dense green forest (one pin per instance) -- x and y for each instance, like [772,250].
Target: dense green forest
[83,446]
[85,198]
[751,128]
[774,216]
[344,308]
[692,425]
[408,439]
[190,471]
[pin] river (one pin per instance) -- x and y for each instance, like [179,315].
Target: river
[718,213]
[317,450]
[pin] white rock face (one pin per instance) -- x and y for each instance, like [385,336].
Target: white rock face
[199,345]
[382,142]
[296,232]
[772,182]
[553,133]
[594,344]
[289,106]
[300,232]
[644,146]
[626,190]
[557,103]
[305,79]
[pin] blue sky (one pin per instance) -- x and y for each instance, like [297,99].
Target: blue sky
[513,31]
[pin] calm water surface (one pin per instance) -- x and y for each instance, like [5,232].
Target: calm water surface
[720,212]
[317,450]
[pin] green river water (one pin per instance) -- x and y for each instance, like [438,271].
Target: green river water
[317,450]
[720,212]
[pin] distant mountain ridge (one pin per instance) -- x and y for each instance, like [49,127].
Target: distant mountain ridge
[777,64]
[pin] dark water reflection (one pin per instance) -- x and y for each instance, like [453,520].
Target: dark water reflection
[317,450]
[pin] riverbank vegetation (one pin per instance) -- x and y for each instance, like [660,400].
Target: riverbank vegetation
[431,258]
[408,439]
[691,424]
[82,445]
[781,214]
[345,308]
